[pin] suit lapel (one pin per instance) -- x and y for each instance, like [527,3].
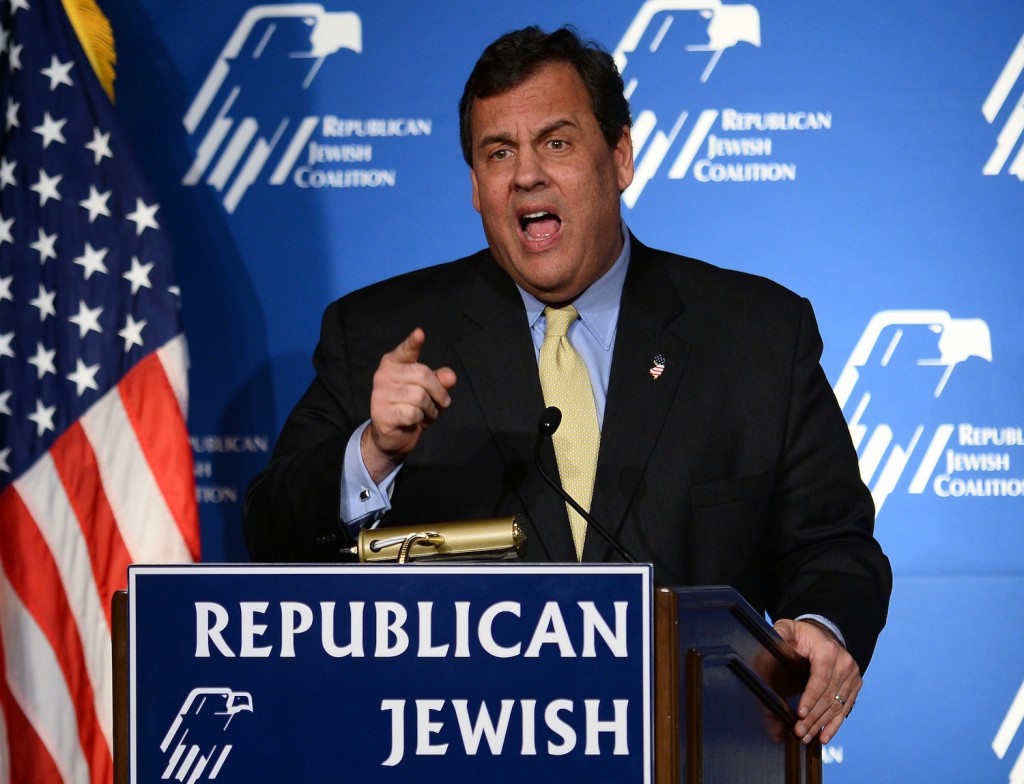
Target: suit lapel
[496,350]
[638,402]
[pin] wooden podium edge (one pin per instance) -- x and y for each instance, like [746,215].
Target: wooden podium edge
[666,689]
[119,639]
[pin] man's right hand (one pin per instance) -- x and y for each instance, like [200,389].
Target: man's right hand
[407,398]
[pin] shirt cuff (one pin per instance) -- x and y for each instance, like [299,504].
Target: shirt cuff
[826,623]
[362,501]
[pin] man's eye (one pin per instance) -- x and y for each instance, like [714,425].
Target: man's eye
[500,155]
[557,144]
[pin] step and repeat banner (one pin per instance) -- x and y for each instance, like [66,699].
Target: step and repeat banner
[868,155]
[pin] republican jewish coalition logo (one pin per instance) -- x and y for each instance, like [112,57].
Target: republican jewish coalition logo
[1013,118]
[272,43]
[196,743]
[902,364]
[1010,726]
[250,120]
[672,48]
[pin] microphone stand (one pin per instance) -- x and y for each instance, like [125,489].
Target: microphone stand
[550,419]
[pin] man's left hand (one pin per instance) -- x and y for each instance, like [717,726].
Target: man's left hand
[834,682]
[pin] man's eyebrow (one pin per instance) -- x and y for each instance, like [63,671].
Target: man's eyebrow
[557,125]
[495,138]
[503,137]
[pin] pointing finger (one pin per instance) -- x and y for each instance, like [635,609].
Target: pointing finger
[408,351]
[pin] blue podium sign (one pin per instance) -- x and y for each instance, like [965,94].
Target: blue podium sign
[390,673]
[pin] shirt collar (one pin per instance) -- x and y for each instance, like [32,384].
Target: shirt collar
[598,305]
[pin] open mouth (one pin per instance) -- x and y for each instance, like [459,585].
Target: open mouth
[540,225]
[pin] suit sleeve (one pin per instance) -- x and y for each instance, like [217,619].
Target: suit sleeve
[292,508]
[827,560]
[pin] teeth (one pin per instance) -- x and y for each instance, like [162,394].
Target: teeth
[533,215]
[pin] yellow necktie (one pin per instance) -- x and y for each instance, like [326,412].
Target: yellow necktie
[566,384]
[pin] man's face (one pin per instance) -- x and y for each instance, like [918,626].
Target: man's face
[547,185]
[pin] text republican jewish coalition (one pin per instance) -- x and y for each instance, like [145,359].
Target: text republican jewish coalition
[382,629]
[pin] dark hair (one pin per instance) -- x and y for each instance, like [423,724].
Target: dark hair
[516,56]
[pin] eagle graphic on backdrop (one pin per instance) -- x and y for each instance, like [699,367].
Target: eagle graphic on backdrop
[901,364]
[660,42]
[726,26]
[195,741]
[238,128]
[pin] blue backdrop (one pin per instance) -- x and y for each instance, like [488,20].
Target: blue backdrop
[867,155]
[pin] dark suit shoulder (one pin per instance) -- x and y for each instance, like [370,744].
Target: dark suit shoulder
[699,276]
[719,298]
[424,287]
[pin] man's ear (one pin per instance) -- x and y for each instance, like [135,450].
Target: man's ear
[476,193]
[623,154]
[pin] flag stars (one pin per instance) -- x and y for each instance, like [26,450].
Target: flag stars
[43,360]
[58,73]
[4,465]
[96,204]
[5,230]
[5,235]
[47,187]
[84,377]
[13,107]
[5,288]
[45,246]
[51,130]
[91,260]
[45,303]
[43,417]
[16,4]
[4,397]
[138,275]
[132,333]
[14,54]
[87,319]
[144,216]
[5,344]
[100,146]
[7,173]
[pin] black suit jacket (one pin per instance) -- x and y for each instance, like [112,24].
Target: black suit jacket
[733,467]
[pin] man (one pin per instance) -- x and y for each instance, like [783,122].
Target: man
[723,457]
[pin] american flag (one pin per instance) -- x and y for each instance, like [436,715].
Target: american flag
[95,466]
[657,366]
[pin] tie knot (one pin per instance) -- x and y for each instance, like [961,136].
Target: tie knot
[559,320]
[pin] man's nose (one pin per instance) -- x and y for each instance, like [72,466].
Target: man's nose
[530,172]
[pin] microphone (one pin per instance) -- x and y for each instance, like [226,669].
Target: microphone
[549,421]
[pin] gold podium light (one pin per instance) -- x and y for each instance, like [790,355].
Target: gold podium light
[494,539]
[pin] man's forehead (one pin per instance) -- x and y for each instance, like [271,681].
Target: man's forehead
[553,97]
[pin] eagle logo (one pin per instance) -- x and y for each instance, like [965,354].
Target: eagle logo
[237,124]
[195,742]
[661,41]
[902,363]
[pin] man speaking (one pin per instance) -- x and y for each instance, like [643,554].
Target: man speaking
[698,426]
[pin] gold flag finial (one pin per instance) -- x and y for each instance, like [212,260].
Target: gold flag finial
[97,39]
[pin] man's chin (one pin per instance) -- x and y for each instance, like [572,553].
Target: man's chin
[553,292]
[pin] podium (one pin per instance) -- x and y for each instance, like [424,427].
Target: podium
[723,686]
[726,690]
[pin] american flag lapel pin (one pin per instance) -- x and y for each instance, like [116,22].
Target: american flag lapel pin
[657,366]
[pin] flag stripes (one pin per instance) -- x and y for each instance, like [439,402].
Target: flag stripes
[95,463]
